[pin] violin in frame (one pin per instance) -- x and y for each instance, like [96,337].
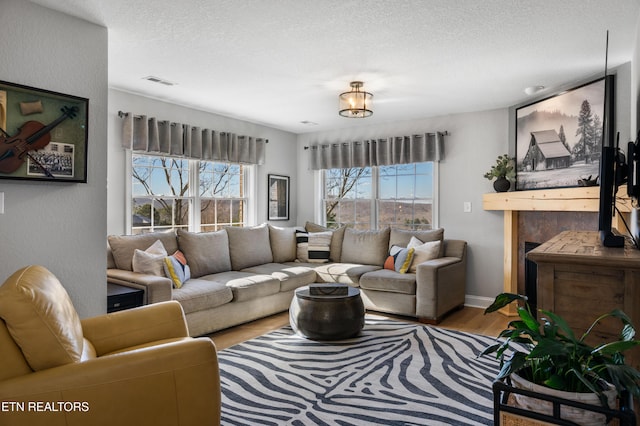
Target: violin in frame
[43,134]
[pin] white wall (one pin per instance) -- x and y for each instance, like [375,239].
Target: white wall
[60,226]
[474,142]
[280,152]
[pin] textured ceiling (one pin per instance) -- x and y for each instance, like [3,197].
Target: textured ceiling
[282,62]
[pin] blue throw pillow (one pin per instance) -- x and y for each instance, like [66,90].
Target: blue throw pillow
[176,268]
[399,259]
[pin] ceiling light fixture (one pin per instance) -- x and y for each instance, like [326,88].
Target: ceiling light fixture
[355,103]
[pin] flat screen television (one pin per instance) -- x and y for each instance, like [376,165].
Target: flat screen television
[609,175]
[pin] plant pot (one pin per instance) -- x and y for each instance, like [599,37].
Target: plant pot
[576,415]
[501,184]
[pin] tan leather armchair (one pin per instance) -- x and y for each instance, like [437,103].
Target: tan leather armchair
[135,367]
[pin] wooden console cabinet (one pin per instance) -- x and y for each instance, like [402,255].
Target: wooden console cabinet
[579,279]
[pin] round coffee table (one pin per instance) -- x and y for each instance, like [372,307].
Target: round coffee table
[327,317]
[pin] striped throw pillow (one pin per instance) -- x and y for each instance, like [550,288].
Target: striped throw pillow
[313,247]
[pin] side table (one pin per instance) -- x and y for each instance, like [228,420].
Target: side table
[327,317]
[120,297]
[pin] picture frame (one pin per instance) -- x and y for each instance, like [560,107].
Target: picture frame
[559,138]
[278,197]
[44,134]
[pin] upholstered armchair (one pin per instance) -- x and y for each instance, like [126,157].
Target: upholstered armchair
[135,367]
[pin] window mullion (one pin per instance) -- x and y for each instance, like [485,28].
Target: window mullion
[375,196]
[194,195]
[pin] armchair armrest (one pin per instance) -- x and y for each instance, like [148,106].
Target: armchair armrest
[124,329]
[156,289]
[171,383]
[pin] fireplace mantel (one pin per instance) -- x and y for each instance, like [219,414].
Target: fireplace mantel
[581,199]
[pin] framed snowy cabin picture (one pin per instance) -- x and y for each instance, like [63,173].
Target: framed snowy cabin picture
[559,138]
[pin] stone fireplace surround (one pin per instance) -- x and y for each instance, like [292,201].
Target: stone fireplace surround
[539,215]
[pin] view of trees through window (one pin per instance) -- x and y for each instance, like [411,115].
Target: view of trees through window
[163,197]
[398,196]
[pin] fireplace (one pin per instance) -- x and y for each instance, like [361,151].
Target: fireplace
[531,277]
[539,215]
[537,227]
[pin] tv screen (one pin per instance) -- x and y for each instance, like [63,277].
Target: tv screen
[608,164]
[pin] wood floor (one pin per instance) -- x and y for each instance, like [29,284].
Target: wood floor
[471,320]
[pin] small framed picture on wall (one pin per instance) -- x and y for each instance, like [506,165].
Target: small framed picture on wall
[278,201]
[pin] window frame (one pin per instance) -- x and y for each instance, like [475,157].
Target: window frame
[195,203]
[320,188]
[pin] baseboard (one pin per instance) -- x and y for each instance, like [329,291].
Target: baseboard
[477,301]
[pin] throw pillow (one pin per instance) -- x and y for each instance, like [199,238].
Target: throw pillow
[399,259]
[336,239]
[423,252]
[401,237]
[249,246]
[313,247]
[365,247]
[283,243]
[176,268]
[150,261]
[208,252]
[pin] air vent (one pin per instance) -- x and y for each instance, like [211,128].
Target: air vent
[159,80]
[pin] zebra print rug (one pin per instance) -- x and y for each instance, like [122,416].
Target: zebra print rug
[394,373]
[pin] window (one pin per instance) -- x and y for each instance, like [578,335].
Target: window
[347,198]
[398,196]
[163,195]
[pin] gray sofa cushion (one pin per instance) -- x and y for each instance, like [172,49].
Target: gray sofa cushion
[335,250]
[246,286]
[345,273]
[389,281]
[206,252]
[198,294]
[291,276]
[249,247]
[401,237]
[365,247]
[283,244]
[123,246]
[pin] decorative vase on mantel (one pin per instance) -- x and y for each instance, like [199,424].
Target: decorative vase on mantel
[501,184]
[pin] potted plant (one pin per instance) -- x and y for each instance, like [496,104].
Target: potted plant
[503,171]
[547,353]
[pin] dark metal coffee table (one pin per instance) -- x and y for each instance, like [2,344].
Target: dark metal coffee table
[327,317]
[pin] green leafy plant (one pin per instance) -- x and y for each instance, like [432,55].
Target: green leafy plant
[548,353]
[504,167]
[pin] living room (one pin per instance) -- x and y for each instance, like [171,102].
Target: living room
[78,217]
[64,226]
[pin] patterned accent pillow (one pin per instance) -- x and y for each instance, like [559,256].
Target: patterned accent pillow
[423,252]
[313,247]
[176,268]
[399,259]
[151,260]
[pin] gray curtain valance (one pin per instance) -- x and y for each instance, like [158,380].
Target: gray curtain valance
[378,152]
[149,135]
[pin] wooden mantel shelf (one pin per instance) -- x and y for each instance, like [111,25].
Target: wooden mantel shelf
[581,199]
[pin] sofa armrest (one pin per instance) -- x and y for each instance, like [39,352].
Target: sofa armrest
[176,383]
[132,327]
[440,286]
[455,248]
[156,289]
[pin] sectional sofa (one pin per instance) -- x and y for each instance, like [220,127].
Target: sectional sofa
[237,275]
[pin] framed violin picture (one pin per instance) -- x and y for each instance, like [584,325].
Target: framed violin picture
[43,134]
